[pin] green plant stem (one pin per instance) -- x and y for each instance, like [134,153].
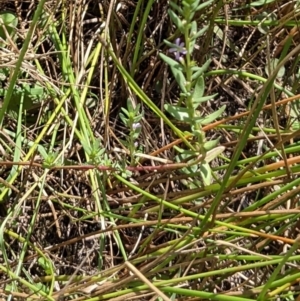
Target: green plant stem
[289,23]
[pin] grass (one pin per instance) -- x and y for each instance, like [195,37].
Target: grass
[129,175]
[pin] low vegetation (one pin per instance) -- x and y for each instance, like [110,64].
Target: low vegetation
[149,150]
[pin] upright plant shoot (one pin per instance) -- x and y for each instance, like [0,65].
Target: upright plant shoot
[190,80]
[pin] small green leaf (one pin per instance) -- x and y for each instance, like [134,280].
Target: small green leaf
[211,117]
[42,151]
[49,160]
[96,150]
[8,19]
[26,95]
[188,12]
[176,20]
[205,172]
[129,105]
[196,102]
[273,64]
[4,73]
[125,111]
[200,70]
[138,118]
[169,44]
[183,157]
[180,79]
[194,4]
[199,88]
[211,144]
[175,7]
[179,113]
[193,31]
[37,90]
[124,119]
[172,63]
[193,28]
[200,33]
[203,5]
[45,265]
[10,22]
[214,153]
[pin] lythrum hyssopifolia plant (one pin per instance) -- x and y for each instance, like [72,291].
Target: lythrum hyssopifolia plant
[190,80]
[131,117]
